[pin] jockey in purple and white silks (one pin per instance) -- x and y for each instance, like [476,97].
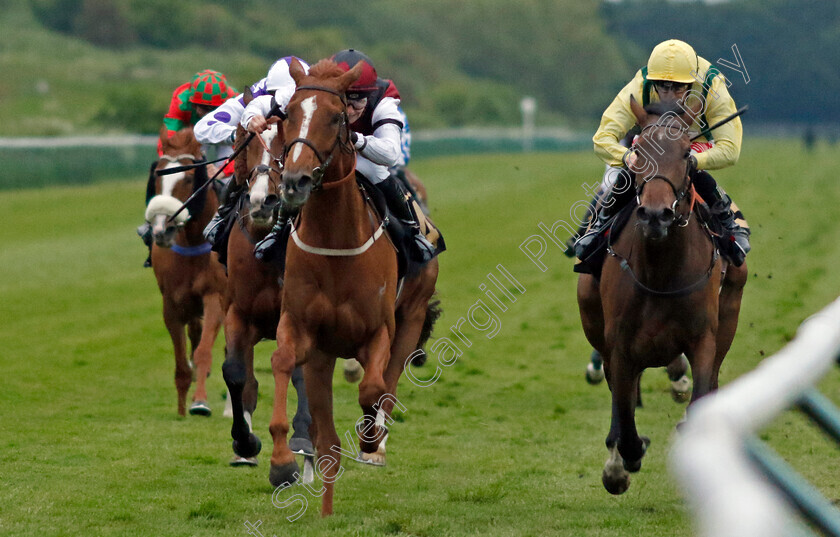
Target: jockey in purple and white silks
[219,126]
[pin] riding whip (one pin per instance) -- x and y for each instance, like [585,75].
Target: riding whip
[727,119]
[275,110]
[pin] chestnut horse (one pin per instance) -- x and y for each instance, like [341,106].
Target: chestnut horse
[191,280]
[664,289]
[254,291]
[340,293]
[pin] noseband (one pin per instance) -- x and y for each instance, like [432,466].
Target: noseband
[343,128]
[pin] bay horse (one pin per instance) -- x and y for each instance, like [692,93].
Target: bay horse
[253,298]
[190,279]
[340,292]
[664,289]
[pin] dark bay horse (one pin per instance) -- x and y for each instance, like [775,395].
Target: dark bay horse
[191,280]
[340,293]
[253,298]
[664,289]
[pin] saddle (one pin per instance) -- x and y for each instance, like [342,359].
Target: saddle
[399,234]
[594,262]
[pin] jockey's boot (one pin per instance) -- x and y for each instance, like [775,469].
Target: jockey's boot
[212,230]
[734,242]
[611,204]
[272,249]
[590,213]
[145,233]
[407,229]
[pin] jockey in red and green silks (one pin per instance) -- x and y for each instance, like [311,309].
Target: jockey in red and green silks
[191,101]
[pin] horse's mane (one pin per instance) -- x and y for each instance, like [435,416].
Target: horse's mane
[325,69]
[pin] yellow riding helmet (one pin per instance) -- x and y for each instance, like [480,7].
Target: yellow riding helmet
[673,60]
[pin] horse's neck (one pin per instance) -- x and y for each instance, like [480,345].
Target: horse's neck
[335,217]
[682,256]
[193,232]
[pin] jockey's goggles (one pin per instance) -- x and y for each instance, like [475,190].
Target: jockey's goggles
[668,85]
[359,102]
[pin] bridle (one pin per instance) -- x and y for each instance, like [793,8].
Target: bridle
[342,140]
[679,194]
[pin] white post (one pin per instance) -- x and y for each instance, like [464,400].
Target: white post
[528,105]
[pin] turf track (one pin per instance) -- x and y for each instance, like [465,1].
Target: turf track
[508,441]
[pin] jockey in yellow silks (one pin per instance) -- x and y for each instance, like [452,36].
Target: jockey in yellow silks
[674,73]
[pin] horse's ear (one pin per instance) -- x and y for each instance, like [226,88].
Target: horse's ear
[638,111]
[247,96]
[164,133]
[296,70]
[350,76]
[240,163]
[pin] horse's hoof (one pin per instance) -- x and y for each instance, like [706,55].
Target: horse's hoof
[352,371]
[373,459]
[248,448]
[243,461]
[614,477]
[636,465]
[284,474]
[200,408]
[594,375]
[681,389]
[301,446]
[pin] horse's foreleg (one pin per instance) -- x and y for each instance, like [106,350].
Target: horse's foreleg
[292,345]
[183,373]
[374,356]
[701,356]
[303,419]
[235,371]
[729,306]
[625,382]
[318,375]
[203,354]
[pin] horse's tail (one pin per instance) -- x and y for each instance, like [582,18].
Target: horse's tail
[433,312]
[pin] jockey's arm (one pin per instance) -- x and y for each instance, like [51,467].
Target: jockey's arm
[727,146]
[261,106]
[617,119]
[383,146]
[219,126]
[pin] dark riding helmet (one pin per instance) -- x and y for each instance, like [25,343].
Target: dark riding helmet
[366,84]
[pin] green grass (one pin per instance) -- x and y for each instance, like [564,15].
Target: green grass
[509,440]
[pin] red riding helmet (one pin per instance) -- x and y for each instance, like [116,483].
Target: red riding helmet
[209,88]
[346,60]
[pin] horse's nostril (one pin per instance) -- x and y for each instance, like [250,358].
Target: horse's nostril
[301,184]
[643,215]
[667,216]
[271,201]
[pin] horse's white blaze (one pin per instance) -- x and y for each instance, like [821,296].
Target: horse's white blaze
[259,190]
[268,136]
[309,107]
[169,181]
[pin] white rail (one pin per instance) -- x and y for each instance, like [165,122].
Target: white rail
[728,493]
